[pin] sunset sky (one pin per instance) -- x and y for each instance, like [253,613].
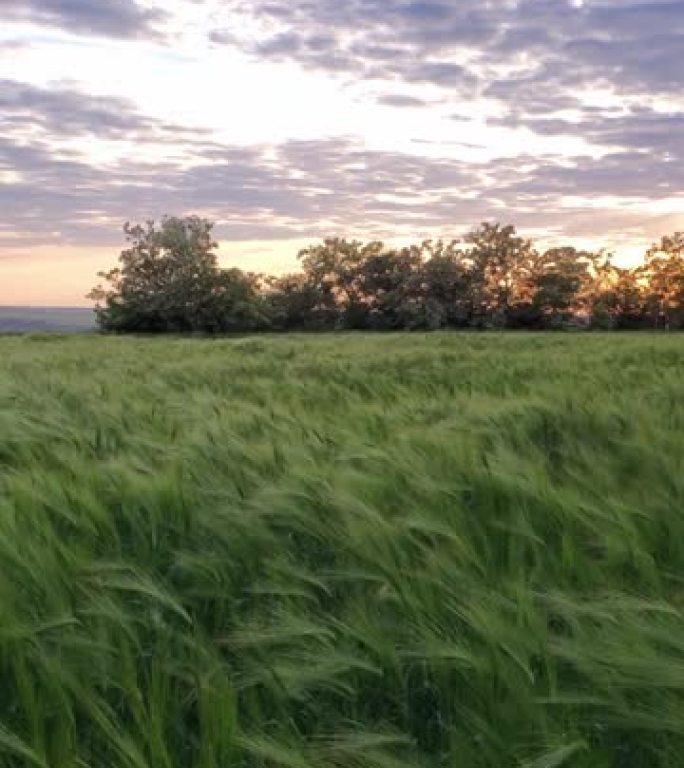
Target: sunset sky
[289,120]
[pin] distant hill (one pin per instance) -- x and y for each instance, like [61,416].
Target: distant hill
[58,319]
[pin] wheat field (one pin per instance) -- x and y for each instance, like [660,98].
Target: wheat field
[372,551]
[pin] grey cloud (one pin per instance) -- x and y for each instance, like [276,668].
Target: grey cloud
[112,18]
[309,188]
[426,11]
[369,37]
[63,112]
[286,44]
[312,188]
[656,135]
[441,73]
[223,37]
[66,112]
[624,174]
[632,47]
[402,101]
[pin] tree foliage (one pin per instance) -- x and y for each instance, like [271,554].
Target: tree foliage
[169,279]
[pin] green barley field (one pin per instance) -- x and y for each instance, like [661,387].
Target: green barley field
[342,551]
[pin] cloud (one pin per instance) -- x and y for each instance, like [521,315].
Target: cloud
[519,53]
[112,18]
[642,133]
[401,100]
[315,188]
[605,72]
[65,112]
[58,112]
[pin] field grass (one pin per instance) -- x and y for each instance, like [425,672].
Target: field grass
[360,551]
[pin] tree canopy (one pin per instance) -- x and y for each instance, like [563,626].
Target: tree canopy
[169,279]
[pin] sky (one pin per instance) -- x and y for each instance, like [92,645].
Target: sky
[286,121]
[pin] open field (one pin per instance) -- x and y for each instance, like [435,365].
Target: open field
[385,551]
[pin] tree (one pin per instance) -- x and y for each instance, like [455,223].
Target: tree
[169,280]
[560,281]
[387,290]
[235,303]
[293,301]
[446,283]
[664,271]
[331,269]
[618,300]
[500,263]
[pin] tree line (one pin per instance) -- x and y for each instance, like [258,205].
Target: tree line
[169,279]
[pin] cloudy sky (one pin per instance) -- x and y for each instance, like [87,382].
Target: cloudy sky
[288,120]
